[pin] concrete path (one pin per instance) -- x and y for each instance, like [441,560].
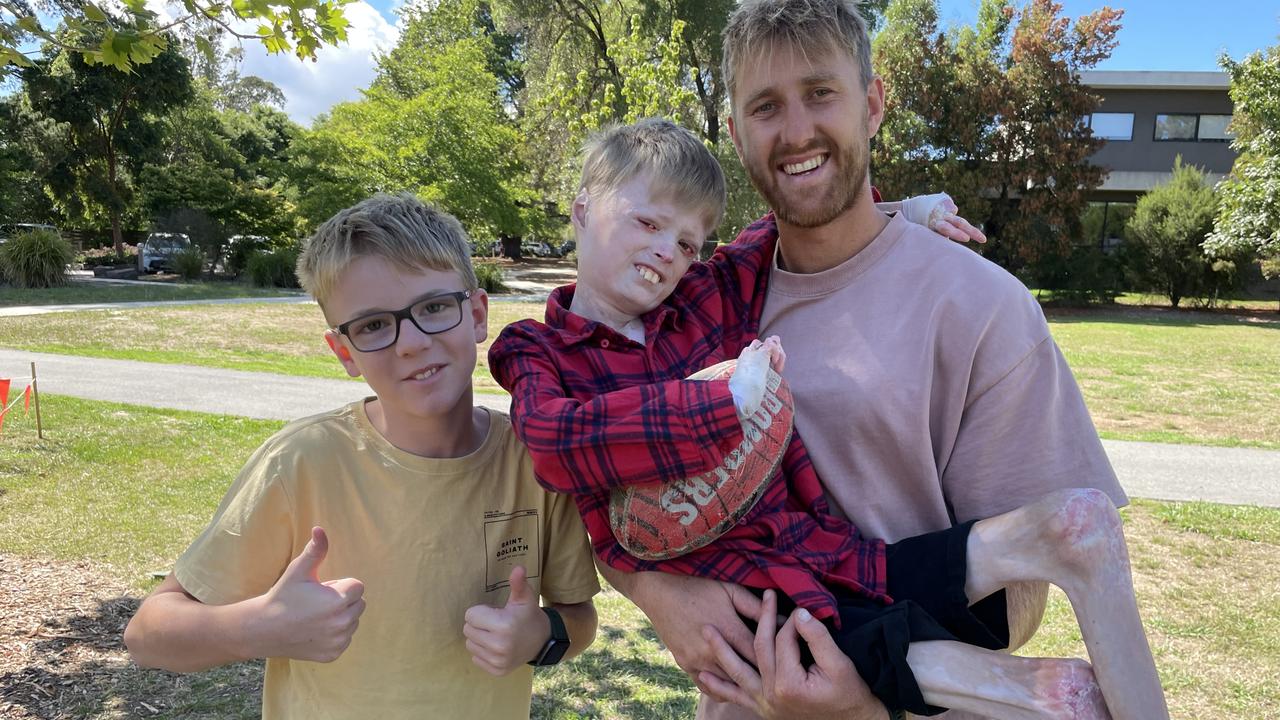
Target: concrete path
[17,310]
[189,387]
[1150,470]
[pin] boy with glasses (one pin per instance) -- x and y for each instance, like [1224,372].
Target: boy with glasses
[385,557]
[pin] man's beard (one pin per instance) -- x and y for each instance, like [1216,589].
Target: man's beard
[841,193]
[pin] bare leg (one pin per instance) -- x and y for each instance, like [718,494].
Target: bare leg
[995,685]
[1073,539]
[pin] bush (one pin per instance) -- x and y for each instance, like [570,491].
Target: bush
[94,257]
[189,263]
[35,259]
[237,259]
[274,268]
[1084,275]
[1166,236]
[489,275]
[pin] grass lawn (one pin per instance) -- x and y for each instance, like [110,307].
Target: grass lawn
[1147,373]
[275,338]
[78,292]
[1175,376]
[116,491]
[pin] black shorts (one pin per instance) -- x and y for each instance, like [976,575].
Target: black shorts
[926,577]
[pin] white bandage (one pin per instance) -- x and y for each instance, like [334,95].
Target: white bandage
[748,381]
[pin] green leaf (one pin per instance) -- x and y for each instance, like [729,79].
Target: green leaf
[94,13]
[206,48]
[29,23]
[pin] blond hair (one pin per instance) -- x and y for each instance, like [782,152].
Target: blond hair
[824,25]
[399,228]
[678,165]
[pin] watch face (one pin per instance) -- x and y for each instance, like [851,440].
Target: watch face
[555,652]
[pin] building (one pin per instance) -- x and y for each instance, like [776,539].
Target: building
[1149,118]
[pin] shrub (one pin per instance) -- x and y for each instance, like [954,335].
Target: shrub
[237,259]
[1167,234]
[1083,275]
[489,276]
[189,263]
[274,268]
[107,256]
[35,259]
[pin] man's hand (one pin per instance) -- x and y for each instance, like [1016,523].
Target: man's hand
[782,687]
[679,605]
[305,619]
[502,639]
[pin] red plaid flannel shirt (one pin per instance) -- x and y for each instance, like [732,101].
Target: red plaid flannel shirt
[598,411]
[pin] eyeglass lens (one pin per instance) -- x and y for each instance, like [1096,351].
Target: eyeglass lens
[432,315]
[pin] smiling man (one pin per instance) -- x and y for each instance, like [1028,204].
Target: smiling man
[926,383]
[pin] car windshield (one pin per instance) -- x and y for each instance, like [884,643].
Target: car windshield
[160,242]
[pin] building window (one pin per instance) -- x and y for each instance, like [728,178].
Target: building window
[1111,126]
[1175,127]
[1214,128]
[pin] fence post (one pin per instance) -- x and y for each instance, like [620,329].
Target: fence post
[35,394]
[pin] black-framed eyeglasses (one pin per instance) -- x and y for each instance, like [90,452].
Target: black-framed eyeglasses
[432,315]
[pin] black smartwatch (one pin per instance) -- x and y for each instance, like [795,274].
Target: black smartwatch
[557,645]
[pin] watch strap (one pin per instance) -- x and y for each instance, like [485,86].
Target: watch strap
[556,646]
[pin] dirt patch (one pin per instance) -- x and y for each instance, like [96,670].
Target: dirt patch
[61,626]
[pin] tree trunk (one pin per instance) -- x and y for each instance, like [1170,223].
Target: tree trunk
[117,237]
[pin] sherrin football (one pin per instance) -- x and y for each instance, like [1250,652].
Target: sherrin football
[665,520]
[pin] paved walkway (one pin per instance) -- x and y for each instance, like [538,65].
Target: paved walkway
[1151,470]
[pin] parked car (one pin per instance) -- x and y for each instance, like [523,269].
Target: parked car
[157,251]
[12,229]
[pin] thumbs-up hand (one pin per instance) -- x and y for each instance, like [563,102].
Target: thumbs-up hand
[305,619]
[502,639]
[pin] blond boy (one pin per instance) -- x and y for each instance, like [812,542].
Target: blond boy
[385,557]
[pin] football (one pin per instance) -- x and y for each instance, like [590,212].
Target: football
[665,520]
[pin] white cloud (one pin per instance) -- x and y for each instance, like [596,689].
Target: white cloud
[338,73]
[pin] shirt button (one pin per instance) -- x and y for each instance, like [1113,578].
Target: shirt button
[604,343]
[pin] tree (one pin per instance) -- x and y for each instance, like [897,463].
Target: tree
[1167,232]
[433,123]
[138,36]
[991,113]
[111,125]
[1249,219]
[229,165]
[25,140]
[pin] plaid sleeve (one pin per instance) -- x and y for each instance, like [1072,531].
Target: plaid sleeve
[740,271]
[644,434]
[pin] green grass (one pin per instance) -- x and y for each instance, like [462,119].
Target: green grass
[267,337]
[77,293]
[116,484]
[126,489]
[1175,376]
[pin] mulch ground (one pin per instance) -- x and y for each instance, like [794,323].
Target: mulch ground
[62,654]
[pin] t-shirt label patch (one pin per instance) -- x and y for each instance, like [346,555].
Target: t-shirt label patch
[510,539]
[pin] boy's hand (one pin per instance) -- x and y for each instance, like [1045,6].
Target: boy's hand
[502,639]
[748,380]
[305,619]
[938,213]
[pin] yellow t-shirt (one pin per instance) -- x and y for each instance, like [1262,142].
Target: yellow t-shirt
[428,537]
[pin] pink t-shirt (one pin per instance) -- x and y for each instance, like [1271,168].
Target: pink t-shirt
[928,388]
